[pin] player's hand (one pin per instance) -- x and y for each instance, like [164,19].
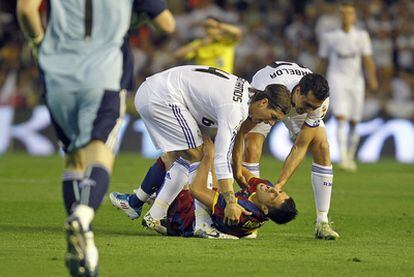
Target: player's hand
[34,44]
[232,214]
[211,23]
[208,146]
[239,177]
[278,187]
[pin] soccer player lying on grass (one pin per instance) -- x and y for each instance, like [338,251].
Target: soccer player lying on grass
[260,198]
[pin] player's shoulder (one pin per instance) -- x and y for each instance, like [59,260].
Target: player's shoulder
[331,33]
[360,29]
[276,65]
[320,112]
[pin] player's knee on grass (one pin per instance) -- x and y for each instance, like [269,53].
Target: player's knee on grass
[96,152]
[254,146]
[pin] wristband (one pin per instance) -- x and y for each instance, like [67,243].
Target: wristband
[36,39]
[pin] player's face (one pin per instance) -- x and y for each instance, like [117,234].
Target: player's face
[269,196]
[261,112]
[212,32]
[306,103]
[348,15]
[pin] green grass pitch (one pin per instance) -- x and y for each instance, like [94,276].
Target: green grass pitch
[373,211]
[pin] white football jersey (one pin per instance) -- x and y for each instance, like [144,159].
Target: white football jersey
[216,99]
[289,74]
[344,51]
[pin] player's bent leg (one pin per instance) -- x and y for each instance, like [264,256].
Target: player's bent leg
[342,138]
[81,257]
[82,254]
[353,145]
[322,179]
[72,177]
[98,166]
[97,152]
[204,198]
[175,179]
[132,204]
[320,148]
[253,152]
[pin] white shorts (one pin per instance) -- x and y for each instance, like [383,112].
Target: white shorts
[293,123]
[170,125]
[347,97]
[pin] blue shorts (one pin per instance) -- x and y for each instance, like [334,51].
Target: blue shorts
[85,115]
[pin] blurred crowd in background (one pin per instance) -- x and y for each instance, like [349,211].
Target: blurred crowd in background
[272,30]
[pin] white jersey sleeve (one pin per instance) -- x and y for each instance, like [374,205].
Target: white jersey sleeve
[324,46]
[230,120]
[366,44]
[314,118]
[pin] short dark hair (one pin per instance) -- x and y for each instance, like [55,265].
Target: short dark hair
[278,96]
[285,213]
[315,83]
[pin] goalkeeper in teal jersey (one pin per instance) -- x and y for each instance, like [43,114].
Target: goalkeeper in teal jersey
[81,65]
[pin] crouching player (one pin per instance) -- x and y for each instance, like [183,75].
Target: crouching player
[260,198]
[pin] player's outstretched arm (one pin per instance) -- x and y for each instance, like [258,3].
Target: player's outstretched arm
[370,69]
[296,155]
[164,22]
[247,175]
[30,22]
[188,50]
[237,154]
[198,186]
[230,31]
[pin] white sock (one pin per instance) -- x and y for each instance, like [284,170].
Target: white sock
[254,168]
[321,178]
[85,215]
[202,215]
[142,195]
[174,181]
[342,140]
[353,142]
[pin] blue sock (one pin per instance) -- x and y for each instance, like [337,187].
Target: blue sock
[94,186]
[70,190]
[151,183]
[134,201]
